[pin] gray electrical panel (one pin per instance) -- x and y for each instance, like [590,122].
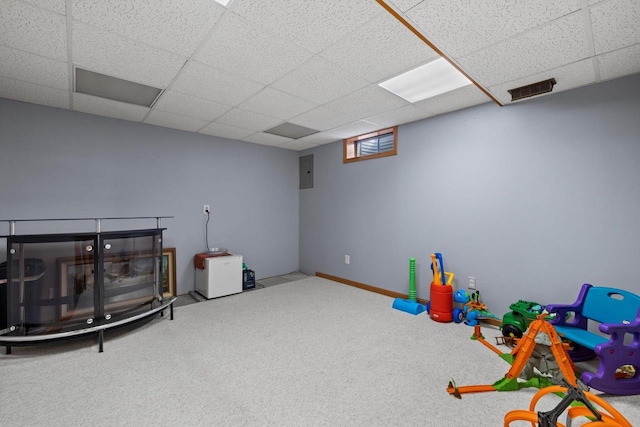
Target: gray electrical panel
[306,171]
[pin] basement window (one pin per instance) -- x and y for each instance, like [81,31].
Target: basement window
[372,145]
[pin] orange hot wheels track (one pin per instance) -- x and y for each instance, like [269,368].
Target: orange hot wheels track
[521,354]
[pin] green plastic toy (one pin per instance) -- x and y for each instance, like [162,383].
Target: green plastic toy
[516,322]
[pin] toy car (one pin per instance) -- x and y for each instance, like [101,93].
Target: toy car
[522,313]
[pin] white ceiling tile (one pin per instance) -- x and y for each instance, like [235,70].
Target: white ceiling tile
[366,102]
[276,104]
[175,121]
[187,105]
[322,118]
[406,114]
[211,83]
[319,81]
[35,94]
[297,145]
[620,62]
[175,25]
[615,25]
[107,107]
[30,28]
[404,5]
[380,49]
[57,6]
[226,131]
[466,96]
[355,129]
[116,56]
[28,67]
[320,138]
[459,27]
[247,119]
[553,45]
[266,139]
[567,77]
[313,25]
[238,47]
[311,63]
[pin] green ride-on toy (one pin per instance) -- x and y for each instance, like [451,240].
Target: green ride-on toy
[522,313]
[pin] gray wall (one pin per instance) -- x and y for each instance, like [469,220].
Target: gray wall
[533,199]
[57,163]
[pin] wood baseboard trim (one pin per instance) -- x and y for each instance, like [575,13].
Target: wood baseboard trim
[366,287]
[494,322]
[392,294]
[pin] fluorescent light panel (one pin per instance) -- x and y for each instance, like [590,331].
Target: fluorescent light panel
[223,2]
[426,81]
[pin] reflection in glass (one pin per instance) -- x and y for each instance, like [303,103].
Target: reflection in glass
[61,283]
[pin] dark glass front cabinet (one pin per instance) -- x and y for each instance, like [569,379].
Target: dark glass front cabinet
[58,286]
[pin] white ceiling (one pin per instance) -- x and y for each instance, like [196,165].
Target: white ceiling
[235,72]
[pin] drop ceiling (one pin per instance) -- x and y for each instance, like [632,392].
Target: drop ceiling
[238,71]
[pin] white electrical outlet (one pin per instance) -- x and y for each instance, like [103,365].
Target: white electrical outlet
[205,209]
[472,282]
[347,259]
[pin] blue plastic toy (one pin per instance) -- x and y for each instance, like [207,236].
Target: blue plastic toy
[411,305]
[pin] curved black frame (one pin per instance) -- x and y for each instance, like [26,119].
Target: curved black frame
[12,335]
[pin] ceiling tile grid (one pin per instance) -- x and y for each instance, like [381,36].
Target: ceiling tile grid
[298,145]
[248,120]
[57,6]
[368,101]
[109,108]
[33,93]
[320,138]
[235,72]
[226,131]
[275,103]
[404,5]
[557,43]
[239,47]
[313,25]
[399,116]
[619,63]
[354,129]
[28,67]
[460,27]
[32,29]
[267,139]
[464,97]
[175,121]
[216,85]
[616,24]
[322,118]
[117,56]
[381,48]
[319,81]
[177,26]
[191,106]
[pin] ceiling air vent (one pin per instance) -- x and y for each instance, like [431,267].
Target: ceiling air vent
[290,130]
[534,89]
[104,86]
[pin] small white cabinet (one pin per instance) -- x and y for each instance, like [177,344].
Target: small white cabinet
[221,276]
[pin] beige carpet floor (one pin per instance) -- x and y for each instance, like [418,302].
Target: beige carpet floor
[306,353]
